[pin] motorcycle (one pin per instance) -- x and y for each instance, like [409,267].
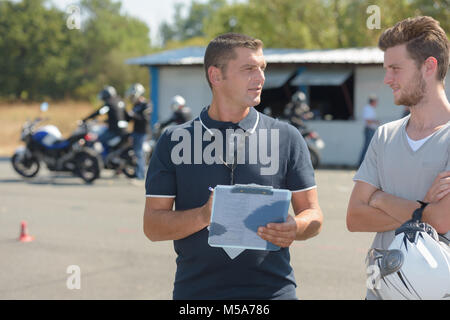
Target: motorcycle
[150,144]
[180,115]
[45,144]
[312,138]
[314,143]
[116,153]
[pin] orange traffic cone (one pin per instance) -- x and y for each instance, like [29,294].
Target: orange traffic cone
[24,236]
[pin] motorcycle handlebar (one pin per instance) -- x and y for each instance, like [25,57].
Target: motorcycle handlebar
[37,120]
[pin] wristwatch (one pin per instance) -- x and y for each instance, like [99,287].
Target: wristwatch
[417,214]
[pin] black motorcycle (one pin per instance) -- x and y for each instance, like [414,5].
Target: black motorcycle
[298,113]
[179,116]
[117,153]
[45,144]
[314,143]
[150,144]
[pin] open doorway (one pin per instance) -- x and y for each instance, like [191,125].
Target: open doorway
[332,102]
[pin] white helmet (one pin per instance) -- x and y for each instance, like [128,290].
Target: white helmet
[135,91]
[176,102]
[299,96]
[416,265]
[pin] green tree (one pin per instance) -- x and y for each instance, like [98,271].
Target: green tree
[318,23]
[191,25]
[109,39]
[438,9]
[279,23]
[42,57]
[35,50]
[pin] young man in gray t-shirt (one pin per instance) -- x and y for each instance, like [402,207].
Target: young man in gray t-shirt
[408,159]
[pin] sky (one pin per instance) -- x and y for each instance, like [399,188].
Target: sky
[153,12]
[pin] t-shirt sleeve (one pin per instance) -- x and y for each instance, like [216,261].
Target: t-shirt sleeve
[300,172]
[368,171]
[161,175]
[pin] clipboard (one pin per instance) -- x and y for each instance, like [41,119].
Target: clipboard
[239,210]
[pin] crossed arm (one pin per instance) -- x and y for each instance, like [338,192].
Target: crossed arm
[372,210]
[161,222]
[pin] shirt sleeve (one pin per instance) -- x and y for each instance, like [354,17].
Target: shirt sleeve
[368,171]
[161,174]
[300,172]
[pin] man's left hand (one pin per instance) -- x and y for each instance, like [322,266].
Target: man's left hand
[280,234]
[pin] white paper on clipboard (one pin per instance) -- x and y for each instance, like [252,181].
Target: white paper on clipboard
[239,210]
[232,252]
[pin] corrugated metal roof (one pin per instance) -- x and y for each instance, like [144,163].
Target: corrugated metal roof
[194,56]
[184,56]
[345,55]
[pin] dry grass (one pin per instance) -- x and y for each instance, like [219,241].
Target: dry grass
[62,114]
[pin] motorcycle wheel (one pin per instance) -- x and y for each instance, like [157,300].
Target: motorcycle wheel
[130,163]
[26,167]
[315,158]
[87,165]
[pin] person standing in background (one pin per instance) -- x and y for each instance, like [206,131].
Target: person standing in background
[371,124]
[140,114]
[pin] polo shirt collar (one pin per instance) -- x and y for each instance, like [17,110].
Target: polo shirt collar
[248,124]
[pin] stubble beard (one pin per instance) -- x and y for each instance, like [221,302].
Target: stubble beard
[414,92]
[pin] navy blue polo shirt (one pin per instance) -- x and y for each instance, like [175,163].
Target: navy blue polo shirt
[187,160]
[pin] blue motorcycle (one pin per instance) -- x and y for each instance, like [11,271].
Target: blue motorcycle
[45,144]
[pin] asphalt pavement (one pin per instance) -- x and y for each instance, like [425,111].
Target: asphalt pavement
[89,244]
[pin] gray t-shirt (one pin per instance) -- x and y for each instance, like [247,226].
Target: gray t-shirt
[392,166]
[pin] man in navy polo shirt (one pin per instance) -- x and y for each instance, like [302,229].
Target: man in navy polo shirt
[230,143]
